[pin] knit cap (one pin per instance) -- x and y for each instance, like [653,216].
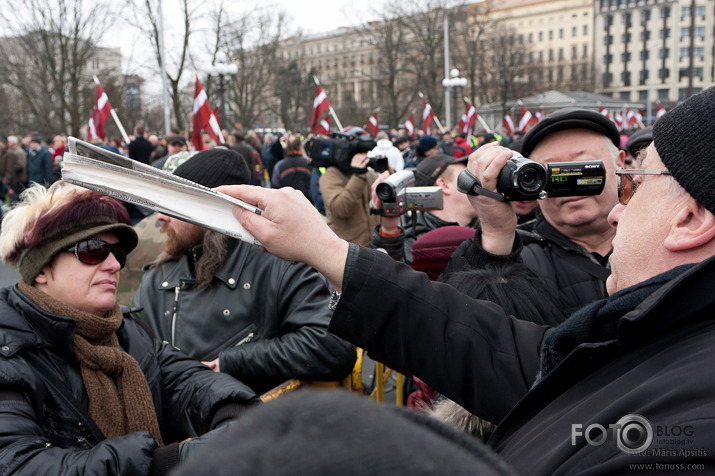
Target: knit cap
[214,167]
[682,138]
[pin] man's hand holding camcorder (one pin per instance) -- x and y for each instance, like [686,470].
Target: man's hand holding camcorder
[359,164]
[389,226]
[497,219]
[291,228]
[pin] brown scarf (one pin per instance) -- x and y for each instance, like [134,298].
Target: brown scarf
[120,401]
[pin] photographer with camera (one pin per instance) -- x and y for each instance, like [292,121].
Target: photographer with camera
[438,170]
[570,242]
[345,185]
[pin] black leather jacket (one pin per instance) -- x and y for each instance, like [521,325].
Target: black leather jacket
[50,432]
[264,317]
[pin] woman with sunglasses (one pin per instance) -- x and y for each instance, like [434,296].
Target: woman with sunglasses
[84,389]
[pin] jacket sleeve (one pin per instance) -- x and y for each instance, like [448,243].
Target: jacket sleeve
[341,198]
[192,392]
[26,450]
[467,349]
[304,349]
[393,245]
[471,255]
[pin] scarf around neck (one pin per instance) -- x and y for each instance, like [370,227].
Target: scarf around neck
[120,401]
[598,321]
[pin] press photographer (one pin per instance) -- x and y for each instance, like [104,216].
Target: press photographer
[396,234]
[345,185]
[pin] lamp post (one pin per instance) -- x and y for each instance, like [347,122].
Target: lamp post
[454,81]
[221,70]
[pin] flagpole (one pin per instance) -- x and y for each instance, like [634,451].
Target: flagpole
[116,119]
[330,106]
[479,117]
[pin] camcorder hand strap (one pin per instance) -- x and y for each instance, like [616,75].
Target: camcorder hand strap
[469,184]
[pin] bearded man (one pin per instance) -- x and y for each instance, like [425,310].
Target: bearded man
[241,310]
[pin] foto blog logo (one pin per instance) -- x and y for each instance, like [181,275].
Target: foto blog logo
[633,434]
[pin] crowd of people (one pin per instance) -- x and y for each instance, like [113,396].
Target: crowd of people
[564,335]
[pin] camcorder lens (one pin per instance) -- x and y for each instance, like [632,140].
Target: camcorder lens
[530,179]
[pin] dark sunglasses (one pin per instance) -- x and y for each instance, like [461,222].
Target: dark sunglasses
[95,251]
[627,185]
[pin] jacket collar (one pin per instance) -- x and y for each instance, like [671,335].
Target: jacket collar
[181,275]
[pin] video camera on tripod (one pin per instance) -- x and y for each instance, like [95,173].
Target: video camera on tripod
[398,195]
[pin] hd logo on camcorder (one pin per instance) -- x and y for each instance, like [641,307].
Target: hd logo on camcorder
[633,434]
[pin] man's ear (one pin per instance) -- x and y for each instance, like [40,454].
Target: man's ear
[693,227]
[441,182]
[621,159]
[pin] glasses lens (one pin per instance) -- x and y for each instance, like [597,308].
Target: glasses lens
[92,251]
[626,188]
[96,251]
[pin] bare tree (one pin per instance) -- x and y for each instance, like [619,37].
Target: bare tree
[147,20]
[397,91]
[251,41]
[45,61]
[295,93]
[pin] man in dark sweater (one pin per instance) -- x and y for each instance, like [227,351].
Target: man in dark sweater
[140,148]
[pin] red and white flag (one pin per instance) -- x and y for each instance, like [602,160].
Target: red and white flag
[427,117]
[660,112]
[324,127]
[526,119]
[203,119]
[373,125]
[539,115]
[468,118]
[410,126]
[618,120]
[603,110]
[508,123]
[101,111]
[639,119]
[320,105]
[631,119]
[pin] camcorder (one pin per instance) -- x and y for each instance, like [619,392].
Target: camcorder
[398,196]
[525,179]
[339,149]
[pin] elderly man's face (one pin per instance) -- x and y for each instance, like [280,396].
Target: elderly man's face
[641,227]
[578,216]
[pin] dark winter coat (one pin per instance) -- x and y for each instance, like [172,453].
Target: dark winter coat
[293,171]
[44,433]
[264,317]
[39,166]
[656,362]
[572,274]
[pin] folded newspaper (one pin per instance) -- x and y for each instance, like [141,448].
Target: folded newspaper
[98,169]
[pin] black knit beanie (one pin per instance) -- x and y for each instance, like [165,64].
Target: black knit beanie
[215,167]
[682,139]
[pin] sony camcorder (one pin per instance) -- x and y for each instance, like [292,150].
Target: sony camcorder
[524,179]
[338,150]
[398,196]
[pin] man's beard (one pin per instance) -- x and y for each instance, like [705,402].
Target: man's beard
[178,245]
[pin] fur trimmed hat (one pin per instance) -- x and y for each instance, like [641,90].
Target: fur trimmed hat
[681,138]
[48,221]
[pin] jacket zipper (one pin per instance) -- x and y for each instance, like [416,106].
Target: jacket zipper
[174,311]
[245,340]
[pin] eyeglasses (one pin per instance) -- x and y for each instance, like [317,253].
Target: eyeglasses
[95,251]
[627,185]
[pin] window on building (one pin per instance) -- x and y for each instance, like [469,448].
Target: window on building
[531,37]
[699,32]
[684,52]
[531,56]
[699,52]
[561,32]
[541,36]
[561,53]
[560,74]
[684,32]
[585,51]
[551,34]
[626,78]
[584,71]
[643,76]
[663,93]
[700,11]
[664,53]
[684,73]
[645,35]
[626,56]
[626,38]
[625,95]
[663,73]
[698,72]
[626,19]
[664,33]
[645,54]
[585,30]
[607,59]
[541,56]
[683,93]
[551,75]
[551,55]
[643,95]
[608,21]
[574,31]
[665,12]
[645,16]
[684,12]
[607,79]
[574,52]
[574,73]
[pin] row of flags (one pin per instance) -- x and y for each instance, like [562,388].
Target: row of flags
[206,119]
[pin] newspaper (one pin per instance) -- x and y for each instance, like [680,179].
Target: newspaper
[125,179]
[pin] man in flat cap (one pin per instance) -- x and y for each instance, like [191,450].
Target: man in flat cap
[569,242]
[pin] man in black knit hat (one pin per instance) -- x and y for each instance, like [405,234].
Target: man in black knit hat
[625,384]
[240,310]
